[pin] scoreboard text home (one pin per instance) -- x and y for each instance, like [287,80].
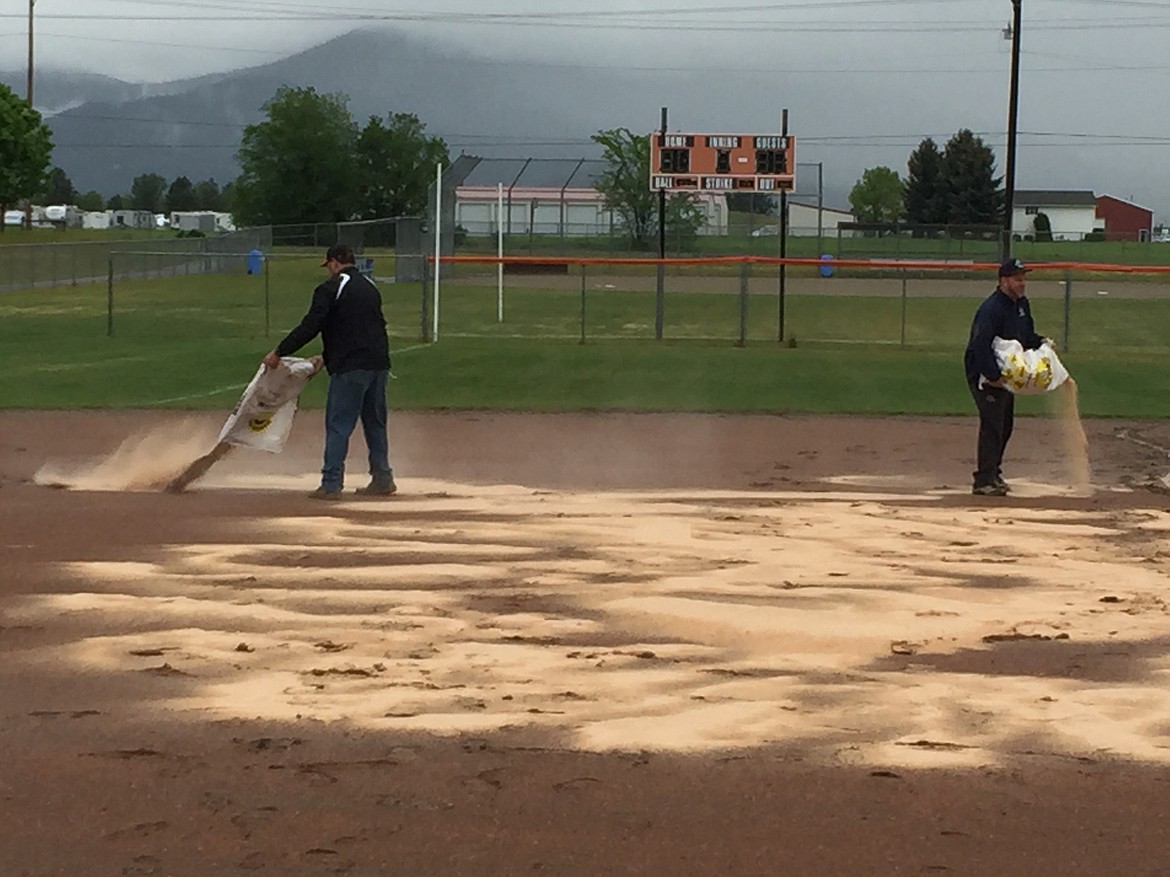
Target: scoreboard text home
[722,162]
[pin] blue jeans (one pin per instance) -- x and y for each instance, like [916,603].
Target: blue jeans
[354,394]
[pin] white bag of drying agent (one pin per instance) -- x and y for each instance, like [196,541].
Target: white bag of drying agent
[263,417]
[1028,372]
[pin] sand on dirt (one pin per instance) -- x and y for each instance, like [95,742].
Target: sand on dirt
[554,601]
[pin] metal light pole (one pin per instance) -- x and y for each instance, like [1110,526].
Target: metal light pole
[1009,179]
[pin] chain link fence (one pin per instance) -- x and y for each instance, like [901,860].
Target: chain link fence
[52,265]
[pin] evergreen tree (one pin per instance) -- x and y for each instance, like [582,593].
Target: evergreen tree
[59,189]
[181,195]
[973,193]
[91,201]
[207,195]
[147,192]
[926,192]
[1042,227]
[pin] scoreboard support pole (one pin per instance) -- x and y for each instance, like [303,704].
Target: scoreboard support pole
[783,242]
[660,287]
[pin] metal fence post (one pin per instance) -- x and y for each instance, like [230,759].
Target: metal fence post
[424,311]
[660,299]
[582,303]
[267,301]
[110,298]
[1067,306]
[903,333]
[744,272]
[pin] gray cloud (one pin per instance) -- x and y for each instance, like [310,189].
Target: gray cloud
[864,80]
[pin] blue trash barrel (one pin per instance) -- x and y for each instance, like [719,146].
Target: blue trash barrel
[826,270]
[255,261]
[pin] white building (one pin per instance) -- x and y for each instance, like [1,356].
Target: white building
[1071,214]
[193,220]
[131,219]
[570,212]
[95,219]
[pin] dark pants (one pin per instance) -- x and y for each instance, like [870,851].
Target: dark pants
[355,394]
[996,414]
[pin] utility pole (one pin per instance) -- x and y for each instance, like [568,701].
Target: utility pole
[29,94]
[31,4]
[1009,178]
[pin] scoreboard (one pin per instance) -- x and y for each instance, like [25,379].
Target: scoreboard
[722,162]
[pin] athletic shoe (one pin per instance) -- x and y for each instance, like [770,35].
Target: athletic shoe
[325,493]
[990,490]
[378,488]
[999,482]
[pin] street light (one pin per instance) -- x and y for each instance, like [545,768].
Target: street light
[1009,179]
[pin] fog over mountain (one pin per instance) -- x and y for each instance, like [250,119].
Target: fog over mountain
[849,110]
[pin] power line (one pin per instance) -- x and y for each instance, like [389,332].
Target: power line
[616,21]
[850,141]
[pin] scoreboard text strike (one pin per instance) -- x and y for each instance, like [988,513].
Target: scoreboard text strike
[722,162]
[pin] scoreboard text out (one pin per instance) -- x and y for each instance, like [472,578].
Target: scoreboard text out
[722,162]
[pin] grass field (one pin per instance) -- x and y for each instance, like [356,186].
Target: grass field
[194,341]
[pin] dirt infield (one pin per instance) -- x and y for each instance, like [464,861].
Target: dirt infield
[584,645]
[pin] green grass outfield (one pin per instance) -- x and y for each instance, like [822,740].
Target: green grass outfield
[193,342]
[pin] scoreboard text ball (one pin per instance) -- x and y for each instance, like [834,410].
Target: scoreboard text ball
[722,162]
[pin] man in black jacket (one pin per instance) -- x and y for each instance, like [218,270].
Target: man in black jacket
[1004,314]
[347,313]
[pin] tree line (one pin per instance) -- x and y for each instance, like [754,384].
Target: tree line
[955,185]
[149,192]
[308,161]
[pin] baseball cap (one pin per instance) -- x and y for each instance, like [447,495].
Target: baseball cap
[1012,267]
[342,253]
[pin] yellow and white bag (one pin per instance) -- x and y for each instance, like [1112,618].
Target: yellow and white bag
[1028,372]
[264,415]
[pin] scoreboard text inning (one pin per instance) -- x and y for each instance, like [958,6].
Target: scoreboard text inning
[722,162]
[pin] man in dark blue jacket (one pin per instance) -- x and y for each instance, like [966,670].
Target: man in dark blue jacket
[346,312]
[1003,314]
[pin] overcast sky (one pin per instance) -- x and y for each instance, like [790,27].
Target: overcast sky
[1095,74]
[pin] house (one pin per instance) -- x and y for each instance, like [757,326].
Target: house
[1072,215]
[1124,220]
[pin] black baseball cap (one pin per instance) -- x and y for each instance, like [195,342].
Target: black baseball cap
[342,253]
[1012,267]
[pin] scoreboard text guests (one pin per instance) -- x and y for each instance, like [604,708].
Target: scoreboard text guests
[722,162]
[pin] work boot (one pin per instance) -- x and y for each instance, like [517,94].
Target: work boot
[325,493]
[992,489]
[378,488]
